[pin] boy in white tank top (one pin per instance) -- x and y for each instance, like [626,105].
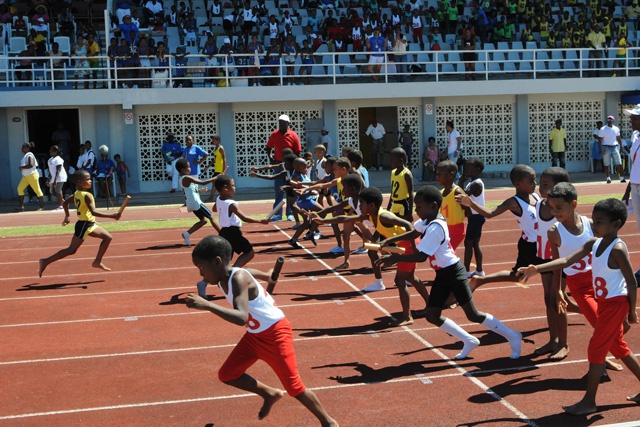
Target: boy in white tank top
[615,289]
[475,190]
[268,337]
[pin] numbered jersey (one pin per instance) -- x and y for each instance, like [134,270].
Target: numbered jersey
[528,219]
[542,227]
[399,188]
[435,243]
[80,199]
[451,209]
[570,243]
[607,283]
[263,312]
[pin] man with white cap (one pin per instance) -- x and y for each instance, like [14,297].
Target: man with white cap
[610,142]
[280,139]
[633,188]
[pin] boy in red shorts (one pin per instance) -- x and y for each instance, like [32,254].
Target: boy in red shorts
[269,336]
[615,289]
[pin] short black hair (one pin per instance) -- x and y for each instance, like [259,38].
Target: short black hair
[371,195]
[221,181]
[286,151]
[613,209]
[346,150]
[519,172]
[564,191]
[289,158]
[429,194]
[117,156]
[211,247]
[355,156]
[320,147]
[353,180]
[448,165]
[398,153]
[476,162]
[181,164]
[343,162]
[557,174]
[78,174]
[329,161]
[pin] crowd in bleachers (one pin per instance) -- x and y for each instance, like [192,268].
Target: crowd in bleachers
[255,38]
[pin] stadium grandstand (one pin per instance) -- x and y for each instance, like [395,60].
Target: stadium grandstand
[124,73]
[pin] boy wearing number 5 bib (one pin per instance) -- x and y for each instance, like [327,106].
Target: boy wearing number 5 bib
[268,337]
[614,285]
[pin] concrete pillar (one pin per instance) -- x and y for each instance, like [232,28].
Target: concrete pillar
[226,130]
[331,123]
[521,129]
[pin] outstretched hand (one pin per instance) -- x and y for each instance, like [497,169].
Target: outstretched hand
[386,260]
[196,301]
[463,199]
[524,273]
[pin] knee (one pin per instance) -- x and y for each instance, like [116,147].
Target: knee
[476,317]
[433,317]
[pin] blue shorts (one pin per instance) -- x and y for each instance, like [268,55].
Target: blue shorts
[203,212]
[306,204]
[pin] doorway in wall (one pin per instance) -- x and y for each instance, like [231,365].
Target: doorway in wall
[388,117]
[41,127]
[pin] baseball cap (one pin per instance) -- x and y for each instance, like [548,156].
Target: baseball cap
[227,40]
[284,118]
[611,117]
[635,111]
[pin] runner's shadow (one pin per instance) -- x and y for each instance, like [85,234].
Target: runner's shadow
[381,325]
[324,297]
[369,375]
[326,272]
[74,285]
[161,247]
[179,299]
[529,385]
[564,418]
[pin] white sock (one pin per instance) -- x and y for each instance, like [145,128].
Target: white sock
[185,236]
[202,288]
[469,342]
[514,337]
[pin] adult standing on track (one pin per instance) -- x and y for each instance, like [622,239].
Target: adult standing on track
[172,152]
[558,144]
[194,154]
[610,142]
[633,188]
[30,176]
[376,131]
[454,142]
[281,138]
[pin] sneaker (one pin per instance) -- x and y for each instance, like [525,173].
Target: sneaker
[608,180]
[135,86]
[296,226]
[380,168]
[185,236]
[59,208]
[40,209]
[290,218]
[478,273]
[307,236]
[377,286]
[359,251]
[20,209]
[294,244]
[317,236]
[622,180]
[373,168]
[276,218]
[336,250]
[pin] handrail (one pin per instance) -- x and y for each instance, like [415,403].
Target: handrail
[327,68]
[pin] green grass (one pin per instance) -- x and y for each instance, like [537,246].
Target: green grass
[42,230]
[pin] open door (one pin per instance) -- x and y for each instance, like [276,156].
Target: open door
[55,127]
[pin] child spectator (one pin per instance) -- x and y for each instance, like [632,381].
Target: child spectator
[231,217]
[615,289]
[219,162]
[189,184]
[86,225]
[430,160]
[451,277]
[475,190]
[523,206]
[319,152]
[122,171]
[454,213]
[269,336]
[58,175]
[406,143]
[355,158]
[401,199]
[596,154]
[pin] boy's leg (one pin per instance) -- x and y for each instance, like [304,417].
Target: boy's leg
[312,403]
[631,362]
[377,285]
[477,252]
[103,234]
[269,394]
[557,345]
[76,242]
[587,405]
[244,259]
[405,298]
[195,227]
[468,253]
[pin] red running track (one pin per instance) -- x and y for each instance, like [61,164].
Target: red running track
[82,347]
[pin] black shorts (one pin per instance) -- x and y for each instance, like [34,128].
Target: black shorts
[203,212]
[239,243]
[474,227]
[450,280]
[527,255]
[83,228]
[401,207]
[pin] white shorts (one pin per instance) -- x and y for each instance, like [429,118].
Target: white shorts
[376,59]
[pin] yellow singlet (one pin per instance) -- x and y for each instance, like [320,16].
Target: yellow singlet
[84,214]
[451,209]
[399,188]
[217,159]
[386,232]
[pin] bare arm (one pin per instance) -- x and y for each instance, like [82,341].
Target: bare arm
[556,264]
[621,260]
[233,209]
[239,314]
[508,205]
[89,201]
[266,176]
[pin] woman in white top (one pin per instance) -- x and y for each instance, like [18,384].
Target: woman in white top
[400,55]
[633,188]
[30,176]
[58,174]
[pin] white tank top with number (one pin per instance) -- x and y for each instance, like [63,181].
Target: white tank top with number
[542,238]
[416,22]
[441,254]
[222,206]
[527,221]
[263,312]
[478,199]
[607,283]
[570,243]
[320,171]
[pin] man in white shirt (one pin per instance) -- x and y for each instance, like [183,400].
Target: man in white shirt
[376,131]
[152,9]
[609,142]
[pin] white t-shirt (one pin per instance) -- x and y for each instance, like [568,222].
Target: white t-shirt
[155,8]
[226,220]
[609,135]
[634,155]
[53,167]
[376,132]
[452,141]
[25,162]
[435,243]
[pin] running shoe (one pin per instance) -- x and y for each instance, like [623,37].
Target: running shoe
[336,250]
[276,218]
[290,218]
[375,287]
[359,251]
[185,236]
[294,244]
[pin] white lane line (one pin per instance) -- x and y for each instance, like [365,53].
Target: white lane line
[428,345]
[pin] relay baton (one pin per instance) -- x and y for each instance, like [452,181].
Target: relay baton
[124,204]
[275,273]
[276,209]
[376,247]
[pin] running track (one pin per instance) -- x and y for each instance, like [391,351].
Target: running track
[82,347]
